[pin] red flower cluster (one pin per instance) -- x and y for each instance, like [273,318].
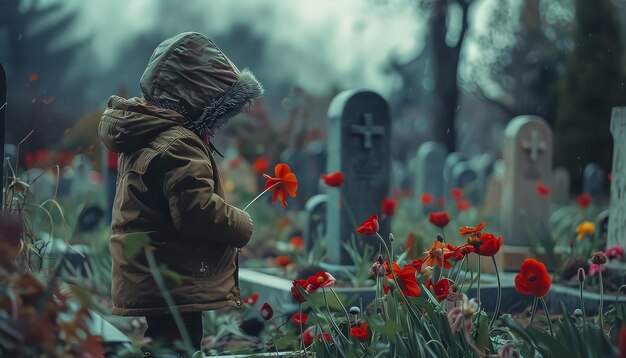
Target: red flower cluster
[252,299]
[307,336]
[533,279]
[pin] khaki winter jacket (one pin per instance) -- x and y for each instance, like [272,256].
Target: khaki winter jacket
[168,184]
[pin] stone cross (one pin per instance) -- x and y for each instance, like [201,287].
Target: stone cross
[527,151]
[368,130]
[359,146]
[617,207]
[315,220]
[534,146]
[429,163]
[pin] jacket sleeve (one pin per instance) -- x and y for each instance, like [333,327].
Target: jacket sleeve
[195,207]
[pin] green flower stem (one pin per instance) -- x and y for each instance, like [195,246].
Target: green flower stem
[393,274]
[158,279]
[467,269]
[458,273]
[330,316]
[344,202]
[258,196]
[532,313]
[601,307]
[306,354]
[304,294]
[343,307]
[499,297]
[545,308]
[480,302]
[582,301]
[271,336]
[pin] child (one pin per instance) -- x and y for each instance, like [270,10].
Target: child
[169,188]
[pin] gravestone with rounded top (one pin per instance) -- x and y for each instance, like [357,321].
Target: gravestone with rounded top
[359,146]
[451,160]
[594,180]
[429,164]
[315,219]
[527,151]
[617,208]
[464,177]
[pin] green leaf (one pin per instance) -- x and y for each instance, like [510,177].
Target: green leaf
[387,328]
[134,243]
[482,340]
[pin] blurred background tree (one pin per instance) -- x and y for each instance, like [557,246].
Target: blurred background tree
[592,84]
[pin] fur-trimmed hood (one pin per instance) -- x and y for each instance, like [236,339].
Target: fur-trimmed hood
[189,74]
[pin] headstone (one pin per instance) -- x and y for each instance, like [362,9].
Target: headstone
[483,166]
[315,220]
[464,177]
[493,194]
[561,181]
[617,208]
[451,160]
[527,151]
[594,180]
[429,163]
[359,146]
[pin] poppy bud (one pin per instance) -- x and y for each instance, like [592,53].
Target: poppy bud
[266,311]
[391,238]
[581,274]
[578,313]
[439,238]
[599,258]
[380,259]
[355,310]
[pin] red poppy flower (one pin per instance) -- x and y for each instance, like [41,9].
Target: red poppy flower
[266,311]
[299,318]
[462,251]
[472,230]
[282,261]
[388,206]
[489,244]
[533,279]
[440,289]
[542,189]
[456,193]
[583,200]
[260,164]
[319,280]
[252,299]
[360,332]
[463,205]
[370,226]
[417,263]
[307,336]
[297,242]
[435,253]
[284,184]
[295,292]
[334,179]
[439,219]
[405,277]
[426,199]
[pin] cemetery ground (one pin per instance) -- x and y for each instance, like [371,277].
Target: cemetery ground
[476,258]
